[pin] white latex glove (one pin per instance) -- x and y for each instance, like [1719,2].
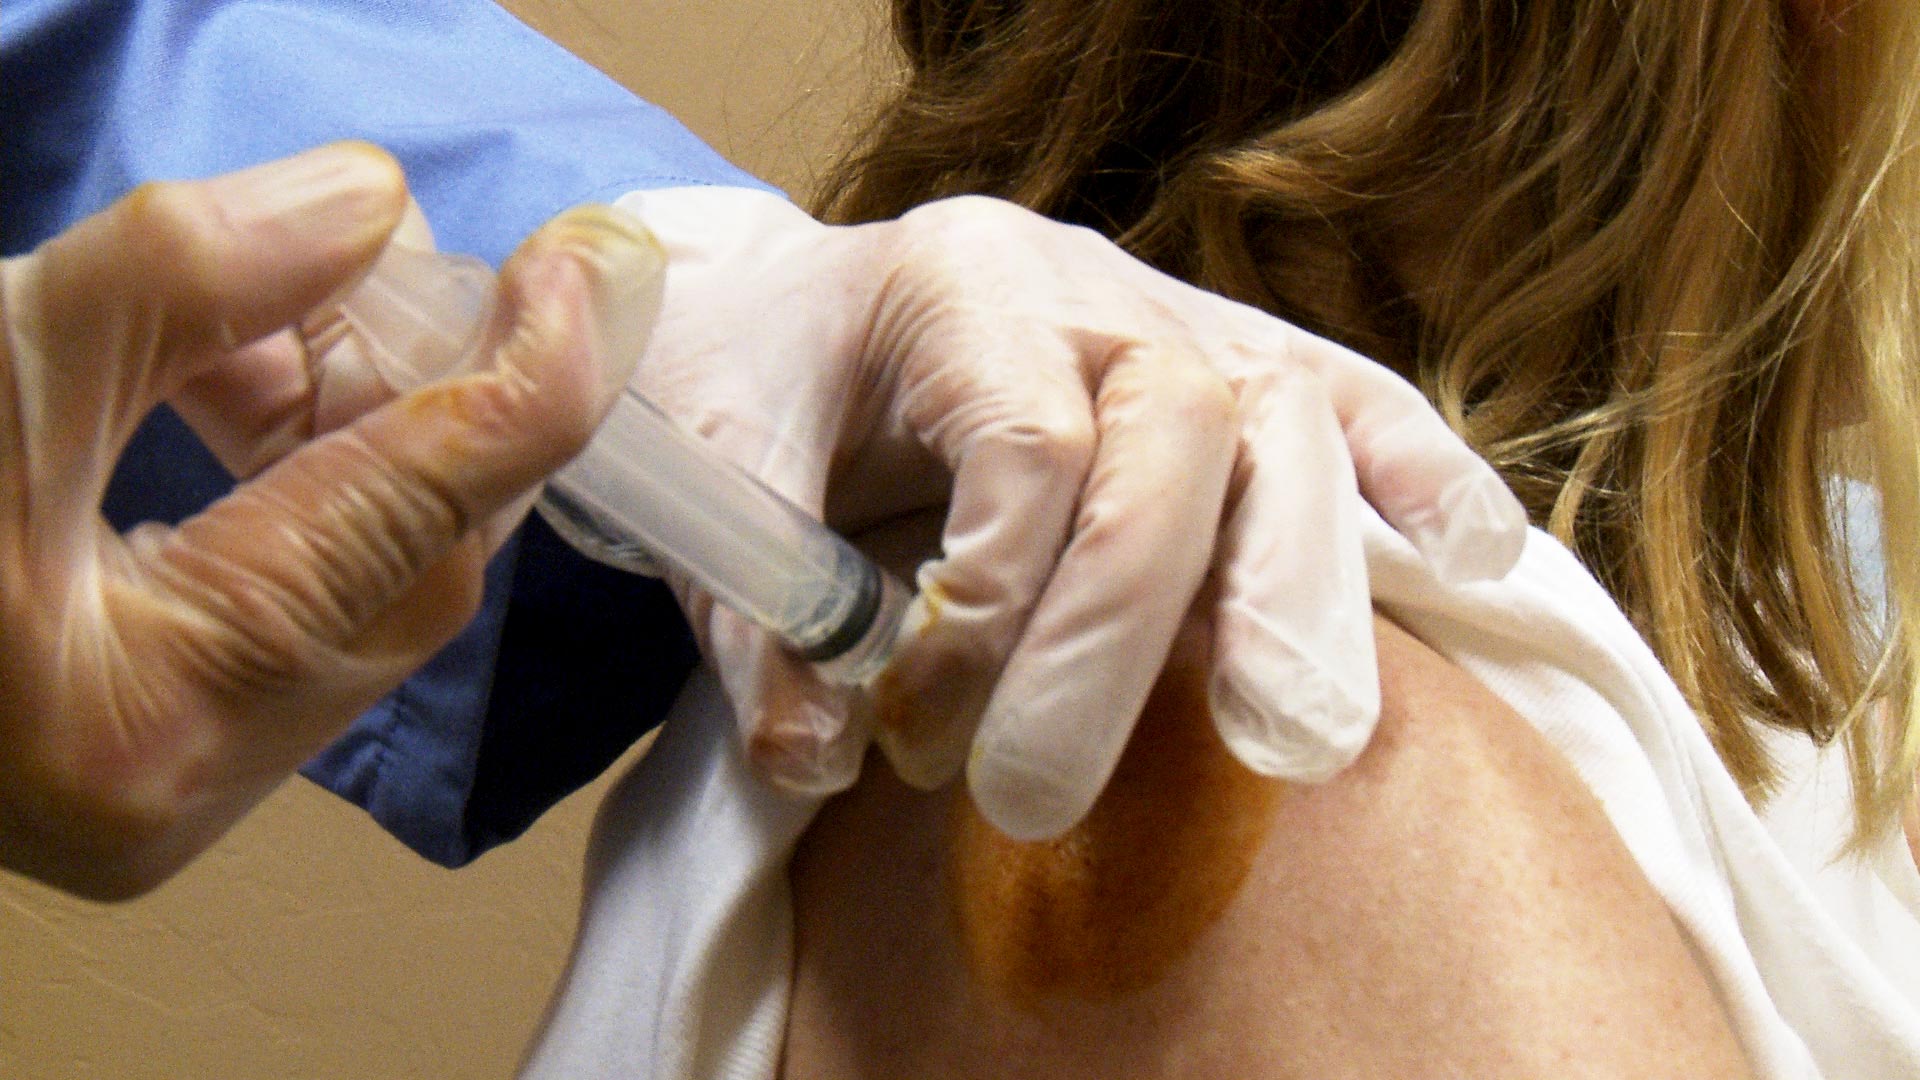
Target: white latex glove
[1105,437]
[154,686]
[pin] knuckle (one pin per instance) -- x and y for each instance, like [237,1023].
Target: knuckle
[495,406]
[349,536]
[94,814]
[1197,391]
[543,382]
[386,525]
[1273,384]
[1060,442]
[976,221]
[159,209]
[176,227]
[121,828]
[101,800]
[544,422]
[267,621]
[960,211]
[936,231]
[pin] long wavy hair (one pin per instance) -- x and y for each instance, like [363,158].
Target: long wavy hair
[1656,261]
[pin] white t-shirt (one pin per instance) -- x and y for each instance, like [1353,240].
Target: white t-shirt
[1874,898]
[684,958]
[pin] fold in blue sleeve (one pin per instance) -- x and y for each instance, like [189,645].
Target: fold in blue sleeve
[498,129]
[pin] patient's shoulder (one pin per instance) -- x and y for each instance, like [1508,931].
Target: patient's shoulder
[1454,903]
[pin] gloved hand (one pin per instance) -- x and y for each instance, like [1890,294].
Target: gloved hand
[154,686]
[1105,436]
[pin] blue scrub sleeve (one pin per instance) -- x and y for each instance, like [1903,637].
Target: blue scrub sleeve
[498,130]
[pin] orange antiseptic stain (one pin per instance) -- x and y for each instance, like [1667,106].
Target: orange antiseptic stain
[1110,906]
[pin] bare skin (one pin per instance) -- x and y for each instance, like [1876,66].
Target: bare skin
[1454,905]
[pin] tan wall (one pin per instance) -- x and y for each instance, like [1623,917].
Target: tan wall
[308,945]
[769,82]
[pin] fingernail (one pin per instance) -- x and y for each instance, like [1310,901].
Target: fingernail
[1299,708]
[811,751]
[1476,532]
[627,277]
[1024,796]
[924,756]
[345,193]
[1299,725]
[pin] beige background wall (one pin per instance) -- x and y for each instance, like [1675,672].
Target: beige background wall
[308,945]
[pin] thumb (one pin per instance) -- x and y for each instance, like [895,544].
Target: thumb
[348,536]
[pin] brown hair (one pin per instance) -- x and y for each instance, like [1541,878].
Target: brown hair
[1645,257]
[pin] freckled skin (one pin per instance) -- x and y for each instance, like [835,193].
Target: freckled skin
[1454,904]
[1110,906]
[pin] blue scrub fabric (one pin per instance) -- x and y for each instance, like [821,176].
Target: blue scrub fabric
[498,130]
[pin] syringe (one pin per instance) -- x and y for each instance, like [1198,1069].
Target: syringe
[644,489]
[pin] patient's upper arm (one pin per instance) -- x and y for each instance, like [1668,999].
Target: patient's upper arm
[1455,904]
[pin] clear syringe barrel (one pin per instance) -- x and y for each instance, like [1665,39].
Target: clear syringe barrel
[646,493]
[645,488]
